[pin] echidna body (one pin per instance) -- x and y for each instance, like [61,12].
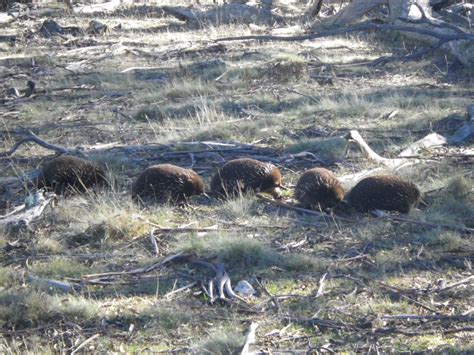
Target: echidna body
[167,183]
[246,175]
[319,188]
[389,193]
[67,174]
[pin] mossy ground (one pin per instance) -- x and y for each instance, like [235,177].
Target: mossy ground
[289,96]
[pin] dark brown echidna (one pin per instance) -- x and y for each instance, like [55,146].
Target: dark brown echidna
[167,183]
[319,188]
[67,174]
[388,193]
[246,175]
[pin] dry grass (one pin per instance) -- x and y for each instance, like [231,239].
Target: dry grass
[292,97]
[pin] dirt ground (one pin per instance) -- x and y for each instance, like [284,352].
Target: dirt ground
[149,90]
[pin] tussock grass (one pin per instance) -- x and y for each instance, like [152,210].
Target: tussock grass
[241,207]
[60,268]
[245,254]
[453,204]
[20,309]
[187,88]
[331,149]
[222,343]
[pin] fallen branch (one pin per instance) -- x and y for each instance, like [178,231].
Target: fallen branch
[29,212]
[453,318]
[219,287]
[31,137]
[304,210]
[455,227]
[453,285]
[411,333]
[64,286]
[360,27]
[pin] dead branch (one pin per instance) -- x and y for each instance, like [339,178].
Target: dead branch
[35,139]
[27,213]
[411,333]
[64,286]
[443,38]
[322,323]
[219,287]
[453,318]
[459,228]
[321,285]
[153,242]
[84,343]
[304,210]
[184,288]
[453,285]
[366,26]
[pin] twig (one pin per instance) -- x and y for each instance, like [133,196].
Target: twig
[459,318]
[304,210]
[459,228]
[272,298]
[393,289]
[84,343]
[423,332]
[319,322]
[453,285]
[321,285]
[35,139]
[153,242]
[54,284]
[188,286]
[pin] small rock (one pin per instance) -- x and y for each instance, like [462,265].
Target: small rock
[244,288]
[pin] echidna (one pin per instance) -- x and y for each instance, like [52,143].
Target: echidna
[167,183]
[388,193]
[66,174]
[318,187]
[245,175]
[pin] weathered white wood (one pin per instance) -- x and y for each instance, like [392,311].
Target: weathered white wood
[32,210]
[431,140]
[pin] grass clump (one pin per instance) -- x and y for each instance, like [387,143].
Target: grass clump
[239,208]
[454,204]
[240,253]
[188,88]
[222,343]
[61,268]
[19,309]
[286,68]
[331,148]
